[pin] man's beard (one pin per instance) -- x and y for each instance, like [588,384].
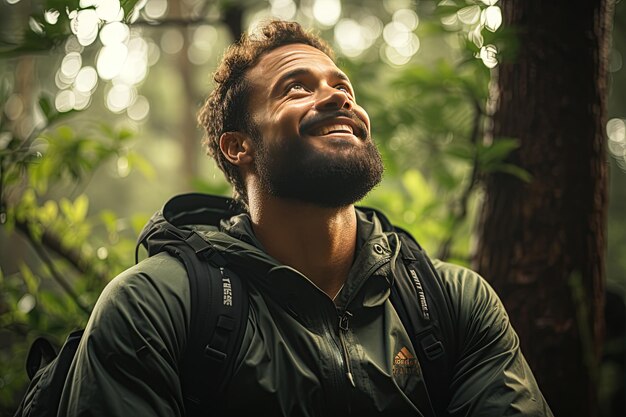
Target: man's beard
[295,170]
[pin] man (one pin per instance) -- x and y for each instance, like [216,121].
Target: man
[322,337]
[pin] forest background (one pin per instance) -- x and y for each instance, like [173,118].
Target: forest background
[98,130]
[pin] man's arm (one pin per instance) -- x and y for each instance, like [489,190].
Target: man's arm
[491,376]
[127,361]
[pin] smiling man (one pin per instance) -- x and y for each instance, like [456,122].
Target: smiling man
[346,315]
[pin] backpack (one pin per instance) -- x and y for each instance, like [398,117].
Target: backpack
[216,333]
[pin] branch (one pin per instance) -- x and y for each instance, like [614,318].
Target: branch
[461,205]
[52,242]
[55,274]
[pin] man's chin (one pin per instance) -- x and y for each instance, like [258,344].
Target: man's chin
[332,172]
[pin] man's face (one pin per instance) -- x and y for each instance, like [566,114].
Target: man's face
[313,139]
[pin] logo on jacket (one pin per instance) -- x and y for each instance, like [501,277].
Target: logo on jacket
[405,363]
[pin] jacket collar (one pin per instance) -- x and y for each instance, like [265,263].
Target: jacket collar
[368,283]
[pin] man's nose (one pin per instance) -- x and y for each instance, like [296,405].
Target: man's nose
[330,98]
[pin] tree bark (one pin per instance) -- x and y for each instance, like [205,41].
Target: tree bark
[542,244]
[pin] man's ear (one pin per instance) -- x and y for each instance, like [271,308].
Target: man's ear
[237,148]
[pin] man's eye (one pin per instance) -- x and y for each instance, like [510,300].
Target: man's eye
[295,87]
[344,88]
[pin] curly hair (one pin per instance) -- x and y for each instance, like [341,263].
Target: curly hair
[226,108]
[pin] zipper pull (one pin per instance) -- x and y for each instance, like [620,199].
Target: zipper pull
[349,374]
[344,320]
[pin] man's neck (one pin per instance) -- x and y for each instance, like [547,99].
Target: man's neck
[317,241]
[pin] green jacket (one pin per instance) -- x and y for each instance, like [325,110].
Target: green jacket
[293,358]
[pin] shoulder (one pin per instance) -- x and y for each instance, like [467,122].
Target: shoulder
[147,300]
[461,281]
[470,295]
[128,358]
[160,279]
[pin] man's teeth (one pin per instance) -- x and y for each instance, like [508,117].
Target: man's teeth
[324,130]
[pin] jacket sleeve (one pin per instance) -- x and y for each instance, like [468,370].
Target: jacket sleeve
[491,376]
[127,361]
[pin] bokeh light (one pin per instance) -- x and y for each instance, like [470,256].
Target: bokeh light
[155,9]
[82,99]
[122,59]
[391,55]
[472,19]
[85,26]
[52,16]
[113,33]
[71,65]
[327,12]
[491,18]
[14,107]
[401,42]
[616,132]
[283,9]
[108,10]
[354,37]
[469,15]
[616,61]
[139,110]
[172,41]
[35,26]
[123,166]
[110,60]
[27,302]
[406,17]
[65,100]
[349,37]
[396,34]
[119,97]
[488,54]
[86,80]
[203,40]
[102,253]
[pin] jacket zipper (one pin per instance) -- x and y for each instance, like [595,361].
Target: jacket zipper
[337,382]
[344,322]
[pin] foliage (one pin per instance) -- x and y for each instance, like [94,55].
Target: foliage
[431,121]
[54,291]
[432,117]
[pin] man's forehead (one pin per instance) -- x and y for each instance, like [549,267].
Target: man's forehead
[286,58]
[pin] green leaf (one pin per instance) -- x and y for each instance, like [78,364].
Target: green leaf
[498,151]
[415,183]
[47,213]
[136,161]
[66,207]
[109,218]
[80,207]
[46,106]
[514,170]
[138,221]
[31,281]
[461,150]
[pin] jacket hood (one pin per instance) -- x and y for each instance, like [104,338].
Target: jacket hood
[228,229]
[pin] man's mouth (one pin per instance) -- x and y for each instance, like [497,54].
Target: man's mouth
[341,122]
[334,128]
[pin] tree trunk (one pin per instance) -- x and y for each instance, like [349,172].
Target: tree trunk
[542,244]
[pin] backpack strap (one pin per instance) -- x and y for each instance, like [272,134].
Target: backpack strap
[420,303]
[219,311]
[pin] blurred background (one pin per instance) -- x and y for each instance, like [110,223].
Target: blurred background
[474,104]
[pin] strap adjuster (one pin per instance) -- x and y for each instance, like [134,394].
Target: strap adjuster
[432,347]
